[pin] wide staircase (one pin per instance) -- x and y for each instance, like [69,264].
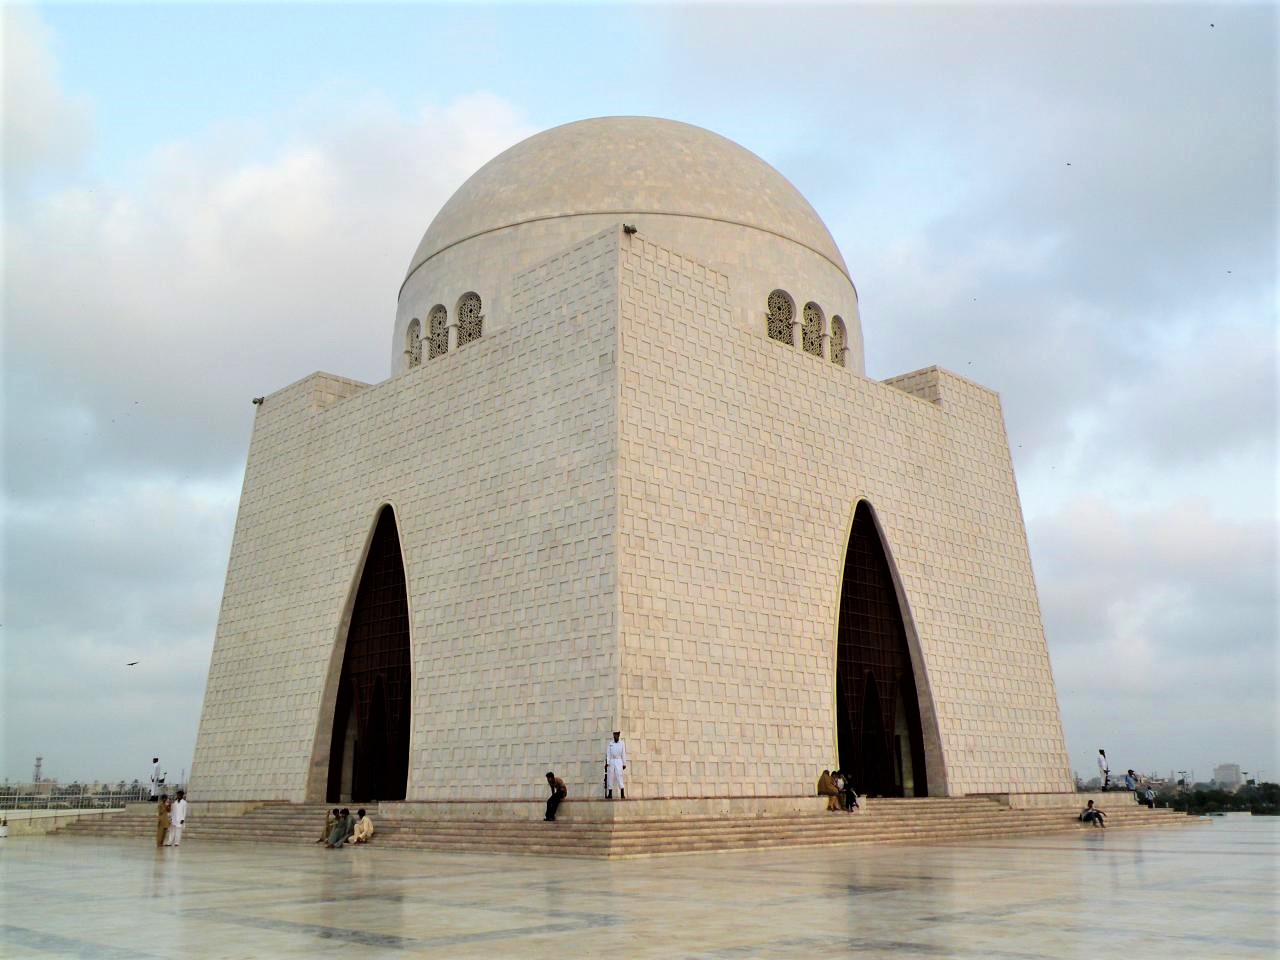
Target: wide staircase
[931,821]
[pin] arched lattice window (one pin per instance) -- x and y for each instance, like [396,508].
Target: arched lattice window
[437,332]
[470,320]
[782,310]
[811,329]
[413,342]
[839,341]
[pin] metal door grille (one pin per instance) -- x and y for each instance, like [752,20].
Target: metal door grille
[376,674]
[872,664]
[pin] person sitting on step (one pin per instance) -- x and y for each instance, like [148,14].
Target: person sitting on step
[1091,814]
[848,795]
[341,830]
[363,829]
[330,821]
[851,803]
[827,788]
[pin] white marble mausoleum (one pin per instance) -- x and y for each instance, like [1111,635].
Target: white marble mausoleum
[628,473]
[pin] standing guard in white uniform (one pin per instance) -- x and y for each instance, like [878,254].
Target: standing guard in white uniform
[615,762]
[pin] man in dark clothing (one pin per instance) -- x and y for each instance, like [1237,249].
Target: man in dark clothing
[343,829]
[848,795]
[330,821]
[1091,814]
[558,792]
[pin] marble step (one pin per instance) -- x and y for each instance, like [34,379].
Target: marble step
[659,838]
[298,827]
[885,821]
[553,845]
[878,813]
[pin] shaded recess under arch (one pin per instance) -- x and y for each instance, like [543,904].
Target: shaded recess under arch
[877,710]
[369,747]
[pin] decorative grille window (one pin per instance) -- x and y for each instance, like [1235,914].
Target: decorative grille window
[811,329]
[782,311]
[413,342]
[437,332]
[839,341]
[470,320]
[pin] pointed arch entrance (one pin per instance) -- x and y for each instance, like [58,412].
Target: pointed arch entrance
[369,746]
[878,723]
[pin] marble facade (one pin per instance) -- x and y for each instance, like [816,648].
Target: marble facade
[625,506]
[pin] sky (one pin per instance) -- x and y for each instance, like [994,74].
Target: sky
[1072,204]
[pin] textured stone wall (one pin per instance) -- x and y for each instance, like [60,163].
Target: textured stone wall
[625,505]
[499,461]
[758,262]
[741,462]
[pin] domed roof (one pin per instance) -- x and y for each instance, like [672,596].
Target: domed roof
[627,165]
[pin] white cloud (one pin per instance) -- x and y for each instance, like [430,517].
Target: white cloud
[160,312]
[44,127]
[1163,626]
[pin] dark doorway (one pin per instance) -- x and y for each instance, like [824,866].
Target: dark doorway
[877,711]
[876,773]
[369,751]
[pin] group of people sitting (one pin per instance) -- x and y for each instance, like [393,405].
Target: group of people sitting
[837,787]
[340,828]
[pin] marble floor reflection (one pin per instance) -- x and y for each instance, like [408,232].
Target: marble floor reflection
[1202,891]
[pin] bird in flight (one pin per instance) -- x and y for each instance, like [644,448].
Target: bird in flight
[132,663]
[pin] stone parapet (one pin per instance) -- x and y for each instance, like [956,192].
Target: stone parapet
[35,823]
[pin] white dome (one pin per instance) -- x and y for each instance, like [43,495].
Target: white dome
[627,165]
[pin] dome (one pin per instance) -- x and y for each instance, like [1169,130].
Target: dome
[627,165]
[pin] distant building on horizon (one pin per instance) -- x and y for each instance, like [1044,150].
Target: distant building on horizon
[1228,774]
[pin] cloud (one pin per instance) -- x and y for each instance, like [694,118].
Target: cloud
[159,312]
[1210,395]
[140,320]
[129,571]
[1163,627]
[44,127]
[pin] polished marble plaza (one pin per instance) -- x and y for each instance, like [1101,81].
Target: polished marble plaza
[1199,891]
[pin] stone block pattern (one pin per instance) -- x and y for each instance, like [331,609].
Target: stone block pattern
[629,507]
[499,460]
[741,460]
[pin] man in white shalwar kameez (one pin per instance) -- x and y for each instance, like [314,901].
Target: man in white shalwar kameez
[615,762]
[177,821]
[157,778]
[363,829]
